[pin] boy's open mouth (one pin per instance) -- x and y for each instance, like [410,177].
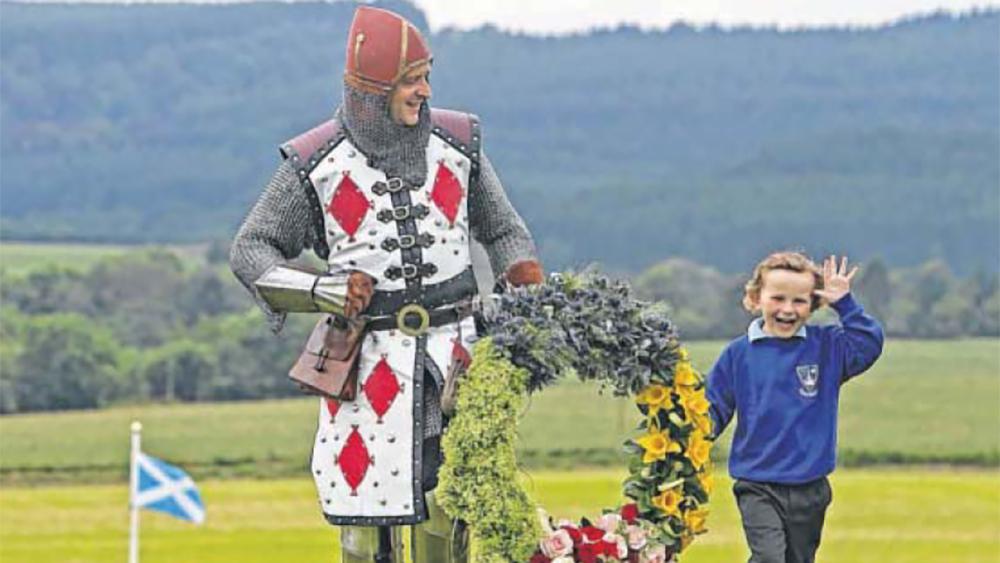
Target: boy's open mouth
[786,323]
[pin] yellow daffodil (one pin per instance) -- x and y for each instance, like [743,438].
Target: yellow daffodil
[694,404]
[682,353]
[668,502]
[684,375]
[695,520]
[657,446]
[706,479]
[703,423]
[687,390]
[698,449]
[656,396]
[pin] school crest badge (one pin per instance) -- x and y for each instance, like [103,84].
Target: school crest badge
[808,379]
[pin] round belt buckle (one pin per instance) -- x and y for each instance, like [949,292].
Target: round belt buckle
[411,312]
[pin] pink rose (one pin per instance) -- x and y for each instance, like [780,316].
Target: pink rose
[636,537]
[608,522]
[557,544]
[657,554]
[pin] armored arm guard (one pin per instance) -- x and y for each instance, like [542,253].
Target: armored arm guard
[277,229]
[495,223]
[288,289]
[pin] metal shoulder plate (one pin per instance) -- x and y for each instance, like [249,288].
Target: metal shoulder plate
[460,130]
[304,152]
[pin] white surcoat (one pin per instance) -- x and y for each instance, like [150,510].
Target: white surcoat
[414,242]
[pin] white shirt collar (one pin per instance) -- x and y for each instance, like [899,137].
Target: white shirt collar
[756,331]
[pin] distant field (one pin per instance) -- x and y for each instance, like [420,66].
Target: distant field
[23,257]
[924,402]
[878,516]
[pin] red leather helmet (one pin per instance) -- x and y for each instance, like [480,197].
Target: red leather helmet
[381,47]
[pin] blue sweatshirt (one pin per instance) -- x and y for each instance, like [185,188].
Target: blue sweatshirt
[786,391]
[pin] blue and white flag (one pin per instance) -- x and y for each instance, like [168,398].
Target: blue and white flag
[167,488]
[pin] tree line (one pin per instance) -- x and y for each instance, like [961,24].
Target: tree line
[619,145]
[150,326]
[925,301]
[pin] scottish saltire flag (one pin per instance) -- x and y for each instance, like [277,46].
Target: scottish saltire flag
[167,488]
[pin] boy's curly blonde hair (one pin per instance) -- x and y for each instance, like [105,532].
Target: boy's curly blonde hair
[785,260]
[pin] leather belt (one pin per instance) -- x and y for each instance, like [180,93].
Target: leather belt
[414,320]
[431,296]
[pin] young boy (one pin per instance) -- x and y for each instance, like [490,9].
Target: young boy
[784,378]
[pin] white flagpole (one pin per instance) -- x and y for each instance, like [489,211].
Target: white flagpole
[133,539]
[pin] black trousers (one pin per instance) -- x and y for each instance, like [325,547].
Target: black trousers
[783,523]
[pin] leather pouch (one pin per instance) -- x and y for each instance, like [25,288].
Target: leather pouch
[328,365]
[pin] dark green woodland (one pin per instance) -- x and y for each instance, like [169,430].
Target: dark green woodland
[139,123]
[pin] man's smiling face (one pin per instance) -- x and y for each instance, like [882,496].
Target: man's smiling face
[409,93]
[785,301]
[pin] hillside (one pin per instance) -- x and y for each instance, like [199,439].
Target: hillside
[128,123]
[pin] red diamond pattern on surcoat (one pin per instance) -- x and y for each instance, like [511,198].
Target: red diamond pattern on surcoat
[381,388]
[354,460]
[447,192]
[332,406]
[348,206]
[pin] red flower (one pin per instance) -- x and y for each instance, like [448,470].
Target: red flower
[629,513]
[587,553]
[591,533]
[539,557]
[607,548]
[574,534]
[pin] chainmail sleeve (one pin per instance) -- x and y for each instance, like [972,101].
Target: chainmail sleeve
[495,223]
[278,228]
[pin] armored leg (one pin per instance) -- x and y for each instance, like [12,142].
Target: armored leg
[439,539]
[361,544]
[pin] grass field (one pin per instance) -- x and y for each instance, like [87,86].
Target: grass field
[878,516]
[22,257]
[924,402]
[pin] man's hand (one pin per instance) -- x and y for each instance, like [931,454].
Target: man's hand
[525,272]
[836,279]
[359,294]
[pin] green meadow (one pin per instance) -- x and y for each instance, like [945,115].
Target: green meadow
[927,415]
[924,402]
[918,479]
[21,258]
[878,516]
[24,257]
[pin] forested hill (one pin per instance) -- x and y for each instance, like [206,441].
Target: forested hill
[160,122]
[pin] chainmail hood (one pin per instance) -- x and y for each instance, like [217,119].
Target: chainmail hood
[396,149]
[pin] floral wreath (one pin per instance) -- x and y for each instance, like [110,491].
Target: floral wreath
[591,326]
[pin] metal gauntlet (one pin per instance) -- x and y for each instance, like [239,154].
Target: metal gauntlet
[288,289]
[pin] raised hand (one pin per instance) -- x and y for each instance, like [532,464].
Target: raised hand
[836,279]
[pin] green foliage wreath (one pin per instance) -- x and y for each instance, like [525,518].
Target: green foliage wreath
[478,482]
[590,326]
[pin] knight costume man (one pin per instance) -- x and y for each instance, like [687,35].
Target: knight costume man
[394,198]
